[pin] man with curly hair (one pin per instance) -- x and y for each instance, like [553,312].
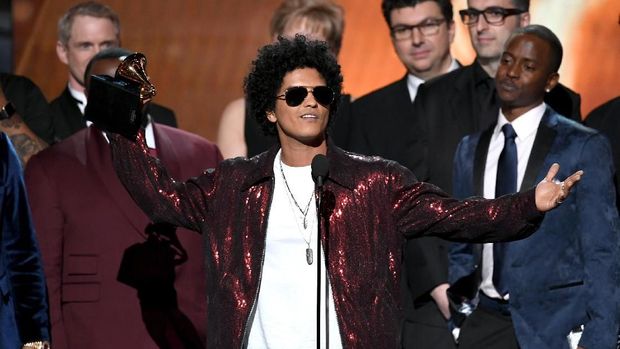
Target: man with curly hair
[238,133]
[259,222]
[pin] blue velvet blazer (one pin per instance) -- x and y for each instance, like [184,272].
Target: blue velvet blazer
[565,274]
[23,301]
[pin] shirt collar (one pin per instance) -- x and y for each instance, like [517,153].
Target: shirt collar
[414,82]
[525,125]
[79,97]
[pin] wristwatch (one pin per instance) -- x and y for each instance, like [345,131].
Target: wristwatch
[7,111]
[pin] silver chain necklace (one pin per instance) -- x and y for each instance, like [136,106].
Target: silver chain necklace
[304,213]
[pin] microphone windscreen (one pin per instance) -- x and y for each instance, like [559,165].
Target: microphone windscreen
[320,167]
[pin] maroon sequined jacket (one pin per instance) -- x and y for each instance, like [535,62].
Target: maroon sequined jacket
[371,206]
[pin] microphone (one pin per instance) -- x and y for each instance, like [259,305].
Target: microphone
[320,168]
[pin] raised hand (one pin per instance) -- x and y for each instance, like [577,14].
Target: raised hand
[550,192]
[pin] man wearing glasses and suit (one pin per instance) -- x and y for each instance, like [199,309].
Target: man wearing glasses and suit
[421,32]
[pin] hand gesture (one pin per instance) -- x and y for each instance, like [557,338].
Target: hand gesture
[550,192]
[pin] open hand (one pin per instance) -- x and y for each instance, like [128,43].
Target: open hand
[550,192]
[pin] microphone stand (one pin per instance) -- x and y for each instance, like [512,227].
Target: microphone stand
[319,173]
[318,195]
[318,191]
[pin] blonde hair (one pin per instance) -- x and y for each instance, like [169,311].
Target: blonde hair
[321,16]
[89,8]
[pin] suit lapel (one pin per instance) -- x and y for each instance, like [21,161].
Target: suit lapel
[480,159]
[403,106]
[463,110]
[542,144]
[99,162]
[166,152]
[73,115]
[403,91]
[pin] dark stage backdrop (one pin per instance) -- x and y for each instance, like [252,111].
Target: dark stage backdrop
[6,37]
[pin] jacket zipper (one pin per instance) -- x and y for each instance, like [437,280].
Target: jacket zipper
[246,330]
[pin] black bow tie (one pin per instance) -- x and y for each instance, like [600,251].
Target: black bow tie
[76,100]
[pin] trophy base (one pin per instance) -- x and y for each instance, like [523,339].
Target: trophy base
[114,106]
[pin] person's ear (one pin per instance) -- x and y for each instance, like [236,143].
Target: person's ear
[271,116]
[525,19]
[552,81]
[62,52]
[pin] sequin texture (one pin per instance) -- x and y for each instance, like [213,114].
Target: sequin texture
[369,206]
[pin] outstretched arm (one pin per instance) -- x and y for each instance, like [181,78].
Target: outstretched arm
[423,209]
[162,198]
[550,192]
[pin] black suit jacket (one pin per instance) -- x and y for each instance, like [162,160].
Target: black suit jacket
[451,106]
[379,123]
[30,104]
[68,119]
[606,118]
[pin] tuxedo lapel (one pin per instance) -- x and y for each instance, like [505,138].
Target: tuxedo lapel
[99,163]
[73,116]
[480,159]
[542,144]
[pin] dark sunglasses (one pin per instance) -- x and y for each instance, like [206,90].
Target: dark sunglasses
[295,95]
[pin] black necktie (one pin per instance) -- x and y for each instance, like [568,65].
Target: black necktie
[505,183]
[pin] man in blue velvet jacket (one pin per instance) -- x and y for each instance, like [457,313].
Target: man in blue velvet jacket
[23,303]
[563,279]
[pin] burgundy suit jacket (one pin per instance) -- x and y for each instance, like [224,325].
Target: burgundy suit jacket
[85,221]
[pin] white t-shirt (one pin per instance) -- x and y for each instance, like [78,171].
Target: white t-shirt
[286,308]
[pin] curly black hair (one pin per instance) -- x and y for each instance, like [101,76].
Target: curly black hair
[274,61]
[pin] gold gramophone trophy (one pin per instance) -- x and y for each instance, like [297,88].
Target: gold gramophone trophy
[117,104]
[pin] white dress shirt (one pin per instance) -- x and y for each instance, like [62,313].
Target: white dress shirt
[525,127]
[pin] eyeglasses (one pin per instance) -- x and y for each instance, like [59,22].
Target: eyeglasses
[295,95]
[427,28]
[492,15]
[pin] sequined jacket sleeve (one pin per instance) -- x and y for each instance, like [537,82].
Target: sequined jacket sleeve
[162,198]
[423,209]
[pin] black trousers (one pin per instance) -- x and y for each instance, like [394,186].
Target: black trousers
[488,327]
[432,333]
